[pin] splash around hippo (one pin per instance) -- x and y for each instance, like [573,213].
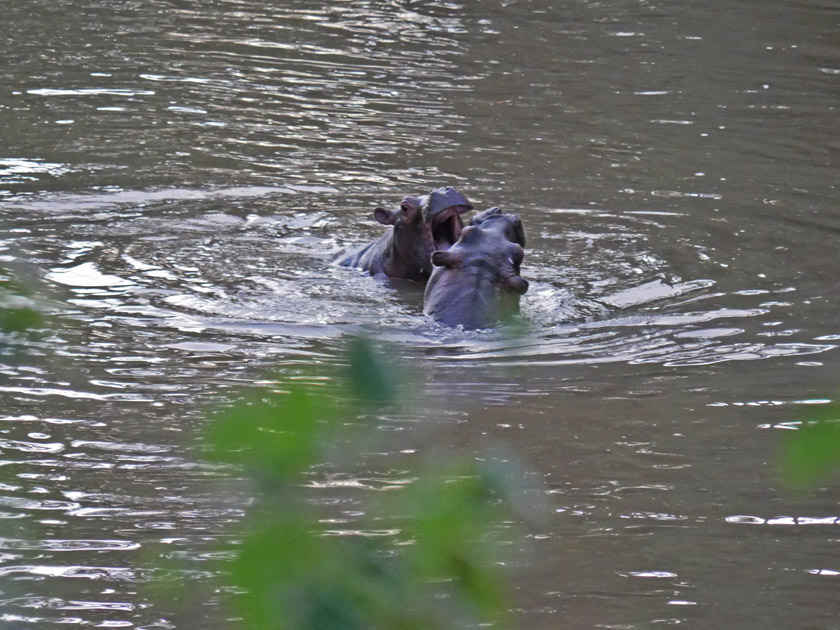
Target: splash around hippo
[476,282]
[422,225]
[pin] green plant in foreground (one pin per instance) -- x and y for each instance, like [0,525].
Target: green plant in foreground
[813,450]
[433,567]
[17,313]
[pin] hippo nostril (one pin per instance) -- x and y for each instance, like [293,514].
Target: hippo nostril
[516,283]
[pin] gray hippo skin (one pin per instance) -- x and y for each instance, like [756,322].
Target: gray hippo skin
[476,282]
[421,226]
[511,226]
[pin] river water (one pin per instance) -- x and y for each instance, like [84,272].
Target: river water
[175,178]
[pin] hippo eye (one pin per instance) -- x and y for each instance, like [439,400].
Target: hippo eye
[404,207]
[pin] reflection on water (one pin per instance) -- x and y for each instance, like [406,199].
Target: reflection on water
[175,182]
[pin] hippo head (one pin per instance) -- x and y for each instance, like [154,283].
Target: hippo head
[422,226]
[489,250]
[442,210]
[508,224]
[476,281]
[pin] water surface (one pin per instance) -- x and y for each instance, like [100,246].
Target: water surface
[175,180]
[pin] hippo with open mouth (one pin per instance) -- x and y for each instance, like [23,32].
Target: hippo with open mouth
[476,282]
[423,225]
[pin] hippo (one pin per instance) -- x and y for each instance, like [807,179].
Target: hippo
[511,227]
[476,282]
[421,226]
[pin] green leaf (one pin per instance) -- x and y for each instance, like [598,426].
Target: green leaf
[451,513]
[274,435]
[290,573]
[19,319]
[814,449]
[369,378]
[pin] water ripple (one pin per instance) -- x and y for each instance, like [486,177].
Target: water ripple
[173,191]
[743,519]
[41,392]
[32,447]
[110,574]
[67,545]
[36,505]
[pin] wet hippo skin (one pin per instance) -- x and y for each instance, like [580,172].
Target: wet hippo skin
[421,226]
[476,282]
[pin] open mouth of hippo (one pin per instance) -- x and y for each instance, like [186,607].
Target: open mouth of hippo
[446,228]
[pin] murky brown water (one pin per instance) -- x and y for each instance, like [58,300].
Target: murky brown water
[176,177]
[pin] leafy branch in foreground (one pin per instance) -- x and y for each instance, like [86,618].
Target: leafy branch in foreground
[813,451]
[17,312]
[422,557]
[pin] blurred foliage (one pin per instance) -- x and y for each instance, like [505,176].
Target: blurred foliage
[813,450]
[423,556]
[19,319]
[17,312]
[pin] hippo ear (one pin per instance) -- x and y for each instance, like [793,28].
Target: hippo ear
[385,217]
[480,217]
[517,284]
[445,259]
[519,232]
